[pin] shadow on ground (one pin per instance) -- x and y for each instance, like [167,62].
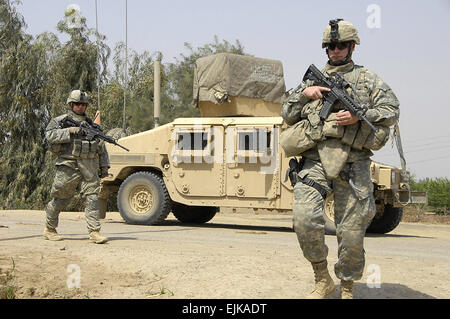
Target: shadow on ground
[388,291]
[260,228]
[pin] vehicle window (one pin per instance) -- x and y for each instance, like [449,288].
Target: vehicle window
[254,140]
[192,140]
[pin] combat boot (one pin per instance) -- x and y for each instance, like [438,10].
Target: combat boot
[51,234]
[95,237]
[324,284]
[346,291]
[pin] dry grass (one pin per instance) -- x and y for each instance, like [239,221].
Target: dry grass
[7,286]
[421,214]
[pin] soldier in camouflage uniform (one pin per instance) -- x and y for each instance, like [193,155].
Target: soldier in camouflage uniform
[339,162]
[79,167]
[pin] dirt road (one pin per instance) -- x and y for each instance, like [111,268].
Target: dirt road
[236,255]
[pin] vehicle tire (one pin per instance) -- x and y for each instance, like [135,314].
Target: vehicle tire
[143,199]
[387,222]
[380,225]
[193,214]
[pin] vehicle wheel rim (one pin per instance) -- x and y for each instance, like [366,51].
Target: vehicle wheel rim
[141,199]
[329,207]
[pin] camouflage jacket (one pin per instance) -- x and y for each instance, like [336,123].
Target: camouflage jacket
[70,149]
[370,90]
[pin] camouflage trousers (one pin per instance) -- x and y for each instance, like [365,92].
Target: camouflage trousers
[354,208]
[67,181]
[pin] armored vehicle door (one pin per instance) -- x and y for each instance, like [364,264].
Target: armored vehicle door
[252,161]
[197,156]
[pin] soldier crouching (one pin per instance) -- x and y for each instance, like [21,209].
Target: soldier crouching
[79,167]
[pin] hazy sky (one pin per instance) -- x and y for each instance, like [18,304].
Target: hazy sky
[407,43]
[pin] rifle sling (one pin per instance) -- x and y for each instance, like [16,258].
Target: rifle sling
[310,182]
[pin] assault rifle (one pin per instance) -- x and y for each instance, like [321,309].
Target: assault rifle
[337,93]
[91,132]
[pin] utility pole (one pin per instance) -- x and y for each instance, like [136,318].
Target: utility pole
[126,66]
[97,116]
[157,89]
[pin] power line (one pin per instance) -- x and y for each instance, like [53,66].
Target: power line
[427,138]
[424,150]
[427,144]
[441,147]
[429,160]
[414,145]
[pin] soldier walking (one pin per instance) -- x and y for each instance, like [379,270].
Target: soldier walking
[79,167]
[339,162]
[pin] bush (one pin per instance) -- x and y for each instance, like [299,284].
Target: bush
[438,190]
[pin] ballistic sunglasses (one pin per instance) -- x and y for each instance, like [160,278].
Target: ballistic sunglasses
[339,45]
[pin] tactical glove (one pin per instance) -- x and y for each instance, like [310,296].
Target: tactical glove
[74,130]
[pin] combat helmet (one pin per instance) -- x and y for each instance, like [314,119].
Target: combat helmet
[339,30]
[78,96]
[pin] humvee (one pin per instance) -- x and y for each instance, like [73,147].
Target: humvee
[229,157]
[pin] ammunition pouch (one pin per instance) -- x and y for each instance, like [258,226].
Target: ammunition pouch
[296,139]
[84,149]
[350,133]
[359,135]
[316,127]
[365,137]
[331,128]
[55,148]
[76,150]
[378,139]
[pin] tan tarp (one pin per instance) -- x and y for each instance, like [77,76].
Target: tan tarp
[221,76]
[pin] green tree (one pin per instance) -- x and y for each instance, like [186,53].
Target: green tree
[80,63]
[23,109]
[37,74]
[438,191]
[137,85]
